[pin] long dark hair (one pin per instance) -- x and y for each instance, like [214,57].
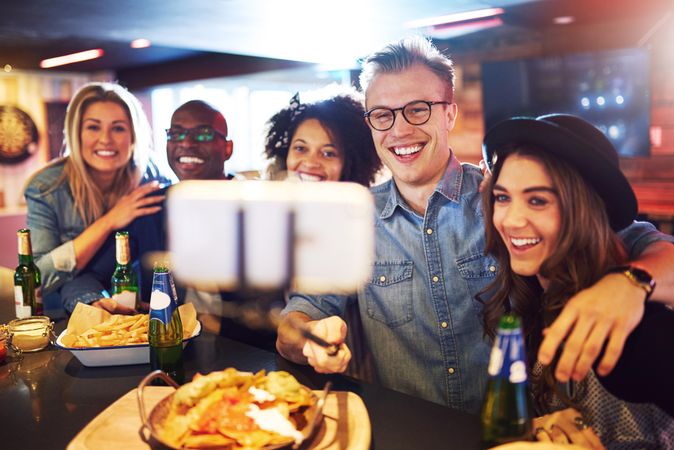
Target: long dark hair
[586,248]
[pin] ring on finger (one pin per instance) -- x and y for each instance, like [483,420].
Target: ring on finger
[580,423]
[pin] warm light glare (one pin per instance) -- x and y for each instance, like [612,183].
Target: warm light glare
[465,27]
[453,18]
[564,20]
[72,58]
[8,68]
[140,43]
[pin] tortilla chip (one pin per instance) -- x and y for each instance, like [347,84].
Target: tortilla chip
[85,317]
[188,317]
[207,441]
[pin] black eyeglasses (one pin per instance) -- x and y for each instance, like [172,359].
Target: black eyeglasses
[199,134]
[417,112]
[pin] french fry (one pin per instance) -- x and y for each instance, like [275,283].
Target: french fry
[115,331]
[91,327]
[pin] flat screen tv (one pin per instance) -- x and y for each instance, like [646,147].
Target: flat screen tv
[610,89]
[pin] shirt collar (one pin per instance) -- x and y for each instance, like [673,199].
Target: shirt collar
[449,187]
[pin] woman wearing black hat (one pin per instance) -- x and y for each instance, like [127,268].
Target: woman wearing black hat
[552,209]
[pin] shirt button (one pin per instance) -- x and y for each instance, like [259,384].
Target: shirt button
[492,268]
[450,370]
[429,230]
[436,279]
[444,325]
[382,278]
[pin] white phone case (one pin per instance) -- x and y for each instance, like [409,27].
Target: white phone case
[333,234]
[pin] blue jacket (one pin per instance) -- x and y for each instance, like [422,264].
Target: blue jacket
[54,223]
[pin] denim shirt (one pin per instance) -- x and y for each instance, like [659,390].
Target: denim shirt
[420,317]
[419,312]
[54,223]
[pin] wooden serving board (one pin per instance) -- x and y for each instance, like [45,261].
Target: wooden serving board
[346,424]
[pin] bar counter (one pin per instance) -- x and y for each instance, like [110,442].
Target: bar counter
[47,397]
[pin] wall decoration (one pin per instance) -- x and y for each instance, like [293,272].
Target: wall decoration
[18,135]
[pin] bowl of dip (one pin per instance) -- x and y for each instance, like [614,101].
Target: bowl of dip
[30,334]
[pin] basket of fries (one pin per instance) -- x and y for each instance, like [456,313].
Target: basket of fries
[233,410]
[98,338]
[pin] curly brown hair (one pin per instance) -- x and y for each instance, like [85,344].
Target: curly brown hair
[343,118]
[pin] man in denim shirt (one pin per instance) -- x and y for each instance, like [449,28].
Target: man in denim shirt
[420,317]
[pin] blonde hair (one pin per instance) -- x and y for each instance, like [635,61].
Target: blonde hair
[404,54]
[90,202]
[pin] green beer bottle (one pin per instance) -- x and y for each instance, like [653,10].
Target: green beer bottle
[166,329]
[124,282]
[27,280]
[506,411]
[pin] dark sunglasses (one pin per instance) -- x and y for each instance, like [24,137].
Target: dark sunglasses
[199,134]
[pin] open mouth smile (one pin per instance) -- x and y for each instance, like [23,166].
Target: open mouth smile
[190,160]
[309,177]
[524,243]
[406,150]
[106,153]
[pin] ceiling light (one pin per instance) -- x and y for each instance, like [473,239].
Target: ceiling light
[454,18]
[71,58]
[8,68]
[140,43]
[564,20]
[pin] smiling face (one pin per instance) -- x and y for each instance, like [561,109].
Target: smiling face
[526,213]
[313,154]
[191,159]
[106,139]
[417,155]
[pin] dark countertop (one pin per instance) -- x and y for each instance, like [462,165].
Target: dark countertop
[48,396]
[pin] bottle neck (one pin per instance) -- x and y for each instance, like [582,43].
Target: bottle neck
[25,260]
[25,250]
[122,252]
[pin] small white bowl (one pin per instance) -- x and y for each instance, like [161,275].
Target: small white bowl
[122,355]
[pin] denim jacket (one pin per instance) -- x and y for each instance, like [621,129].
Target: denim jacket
[420,317]
[54,223]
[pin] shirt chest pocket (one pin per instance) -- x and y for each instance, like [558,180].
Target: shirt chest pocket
[388,296]
[477,271]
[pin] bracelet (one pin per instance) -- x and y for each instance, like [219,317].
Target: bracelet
[638,277]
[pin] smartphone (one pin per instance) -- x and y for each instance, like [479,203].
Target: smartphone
[311,237]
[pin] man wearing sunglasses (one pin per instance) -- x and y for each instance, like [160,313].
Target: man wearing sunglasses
[196,143]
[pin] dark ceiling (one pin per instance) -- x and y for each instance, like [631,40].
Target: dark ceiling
[250,35]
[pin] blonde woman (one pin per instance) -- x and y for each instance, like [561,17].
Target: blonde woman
[102,184]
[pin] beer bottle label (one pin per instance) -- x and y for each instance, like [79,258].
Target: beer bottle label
[125,298]
[495,361]
[161,307]
[518,372]
[507,357]
[22,311]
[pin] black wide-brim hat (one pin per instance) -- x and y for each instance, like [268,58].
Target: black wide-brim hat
[581,145]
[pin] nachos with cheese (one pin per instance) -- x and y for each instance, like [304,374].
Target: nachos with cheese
[237,410]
